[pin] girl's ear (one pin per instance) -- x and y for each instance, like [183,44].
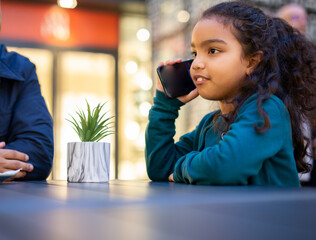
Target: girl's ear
[254,59]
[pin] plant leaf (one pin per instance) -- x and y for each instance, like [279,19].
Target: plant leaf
[92,126]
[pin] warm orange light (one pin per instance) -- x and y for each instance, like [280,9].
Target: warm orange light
[67,3]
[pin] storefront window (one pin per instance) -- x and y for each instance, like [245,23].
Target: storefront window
[81,76]
[135,94]
[43,60]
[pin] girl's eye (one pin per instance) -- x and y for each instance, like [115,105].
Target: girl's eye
[193,54]
[213,51]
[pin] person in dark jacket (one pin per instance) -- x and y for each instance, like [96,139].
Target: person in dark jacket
[26,128]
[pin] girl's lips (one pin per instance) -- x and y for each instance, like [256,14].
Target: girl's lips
[199,79]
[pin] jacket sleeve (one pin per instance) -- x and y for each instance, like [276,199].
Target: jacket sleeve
[31,127]
[161,152]
[242,151]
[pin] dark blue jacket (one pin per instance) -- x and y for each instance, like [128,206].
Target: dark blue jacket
[25,123]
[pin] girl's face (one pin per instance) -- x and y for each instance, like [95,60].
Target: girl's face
[219,65]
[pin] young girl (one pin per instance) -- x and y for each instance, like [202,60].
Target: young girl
[263,74]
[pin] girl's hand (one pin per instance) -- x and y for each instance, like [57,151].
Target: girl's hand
[171,178]
[186,98]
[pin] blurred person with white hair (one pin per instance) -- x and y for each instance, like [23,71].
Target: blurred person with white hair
[295,15]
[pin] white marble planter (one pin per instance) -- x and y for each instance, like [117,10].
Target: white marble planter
[88,161]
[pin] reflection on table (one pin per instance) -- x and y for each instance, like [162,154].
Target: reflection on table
[154,210]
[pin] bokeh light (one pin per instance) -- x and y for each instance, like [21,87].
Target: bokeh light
[131,67]
[143,34]
[183,16]
[67,3]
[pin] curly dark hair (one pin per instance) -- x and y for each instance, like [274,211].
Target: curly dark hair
[287,69]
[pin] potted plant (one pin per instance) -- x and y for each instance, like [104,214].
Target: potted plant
[89,160]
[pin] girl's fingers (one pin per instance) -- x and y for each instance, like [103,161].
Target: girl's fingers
[170,62]
[159,85]
[187,98]
[171,178]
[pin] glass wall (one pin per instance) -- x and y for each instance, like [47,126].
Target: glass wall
[135,94]
[81,76]
[43,60]
[90,76]
[69,76]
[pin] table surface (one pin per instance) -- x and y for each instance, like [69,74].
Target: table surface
[154,210]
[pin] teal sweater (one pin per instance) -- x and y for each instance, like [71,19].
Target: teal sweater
[241,157]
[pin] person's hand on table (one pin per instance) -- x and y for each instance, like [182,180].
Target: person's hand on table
[171,178]
[14,160]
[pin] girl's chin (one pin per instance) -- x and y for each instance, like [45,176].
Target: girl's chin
[208,96]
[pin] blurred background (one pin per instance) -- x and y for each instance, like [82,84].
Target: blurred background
[108,50]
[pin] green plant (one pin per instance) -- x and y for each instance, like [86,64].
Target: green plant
[92,127]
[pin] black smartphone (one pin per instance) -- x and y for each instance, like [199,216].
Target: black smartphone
[176,79]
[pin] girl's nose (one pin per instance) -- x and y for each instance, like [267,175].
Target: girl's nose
[197,64]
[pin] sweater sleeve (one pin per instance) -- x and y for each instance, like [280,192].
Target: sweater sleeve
[242,151]
[31,128]
[161,152]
